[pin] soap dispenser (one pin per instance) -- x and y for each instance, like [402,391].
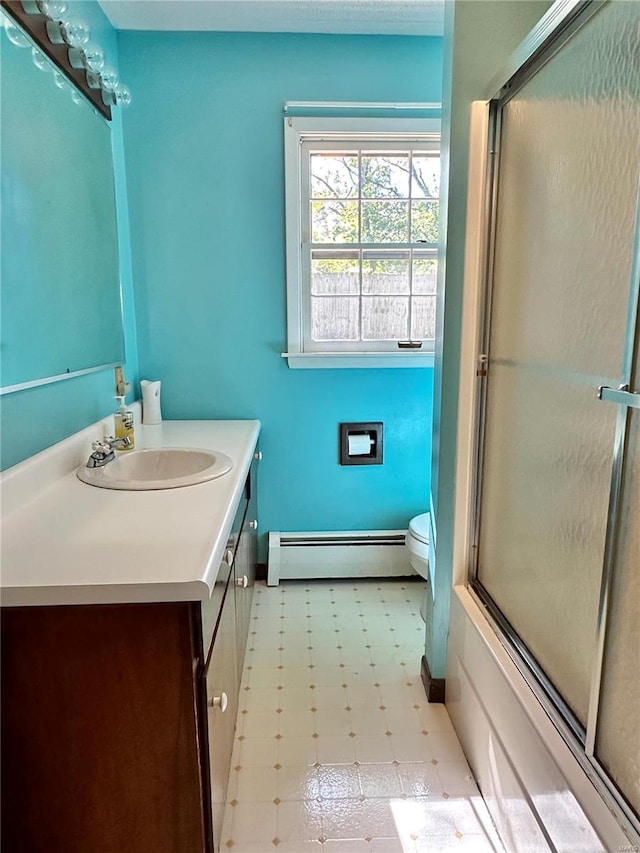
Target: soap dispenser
[124,423]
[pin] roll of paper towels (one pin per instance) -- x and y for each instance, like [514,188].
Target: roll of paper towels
[359,445]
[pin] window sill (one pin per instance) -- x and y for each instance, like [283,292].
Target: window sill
[307,360]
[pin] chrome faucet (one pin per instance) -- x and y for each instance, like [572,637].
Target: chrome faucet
[103,451]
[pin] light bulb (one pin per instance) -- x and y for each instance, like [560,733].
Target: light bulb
[54,9]
[73,33]
[89,57]
[109,79]
[123,96]
[93,80]
[118,97]
[15,35]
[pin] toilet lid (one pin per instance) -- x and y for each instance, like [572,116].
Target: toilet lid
[419,527]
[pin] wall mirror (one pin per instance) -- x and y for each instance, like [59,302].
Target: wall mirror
[61,301]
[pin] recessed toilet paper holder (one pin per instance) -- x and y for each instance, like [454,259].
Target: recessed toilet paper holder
[361,443]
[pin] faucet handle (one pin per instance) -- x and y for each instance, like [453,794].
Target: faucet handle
[112,442]
[101,453]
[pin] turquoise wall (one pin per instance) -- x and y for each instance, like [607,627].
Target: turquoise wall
[204,153]
[36,418]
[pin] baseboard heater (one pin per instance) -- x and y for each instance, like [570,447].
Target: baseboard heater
[341,554]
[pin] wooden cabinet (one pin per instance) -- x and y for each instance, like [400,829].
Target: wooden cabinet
[112,736]
[222,687]
[225,658]
[100,746]
[245,568]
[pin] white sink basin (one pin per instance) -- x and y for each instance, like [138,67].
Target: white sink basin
[162,468]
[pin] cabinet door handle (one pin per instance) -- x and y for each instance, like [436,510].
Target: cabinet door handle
[228,557]
[253,524]
[242,582]
[258,455]
[219,702]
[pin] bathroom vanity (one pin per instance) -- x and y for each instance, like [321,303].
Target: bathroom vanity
[124,625]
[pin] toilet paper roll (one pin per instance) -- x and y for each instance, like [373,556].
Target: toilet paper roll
[359,445]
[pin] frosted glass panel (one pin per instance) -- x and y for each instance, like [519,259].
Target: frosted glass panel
[569,171]
[618,734]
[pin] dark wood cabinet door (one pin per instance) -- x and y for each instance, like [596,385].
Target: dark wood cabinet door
[245,565]
[99,739]
[222,686]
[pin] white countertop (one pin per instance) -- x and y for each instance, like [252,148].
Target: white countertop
[71,543]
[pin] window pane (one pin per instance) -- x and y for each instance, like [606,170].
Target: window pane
[425,273]
[423,317]
[334,176]
[385,176]
[385,222]
[385,272]
[335,273]
[335,318]
[334,221]
[384,318]
[425,177]
[424,221]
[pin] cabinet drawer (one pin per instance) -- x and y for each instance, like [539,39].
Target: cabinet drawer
[238,521]
[210,610]
[222,686]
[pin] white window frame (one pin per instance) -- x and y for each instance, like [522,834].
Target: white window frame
[296,132]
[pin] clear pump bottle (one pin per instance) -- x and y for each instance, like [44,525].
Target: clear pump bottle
[124,423]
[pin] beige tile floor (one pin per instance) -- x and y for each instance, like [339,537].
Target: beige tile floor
[337,749]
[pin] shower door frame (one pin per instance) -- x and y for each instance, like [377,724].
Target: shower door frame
[547,39]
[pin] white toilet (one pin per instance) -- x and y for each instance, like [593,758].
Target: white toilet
[417,541]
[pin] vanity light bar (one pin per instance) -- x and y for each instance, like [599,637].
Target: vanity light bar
[82,61]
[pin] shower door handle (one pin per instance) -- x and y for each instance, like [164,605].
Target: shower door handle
[620,395]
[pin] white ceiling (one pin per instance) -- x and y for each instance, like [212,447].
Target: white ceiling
[394,17]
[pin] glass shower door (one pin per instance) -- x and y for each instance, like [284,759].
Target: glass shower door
[616,696]
[557,524]
[568,179]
